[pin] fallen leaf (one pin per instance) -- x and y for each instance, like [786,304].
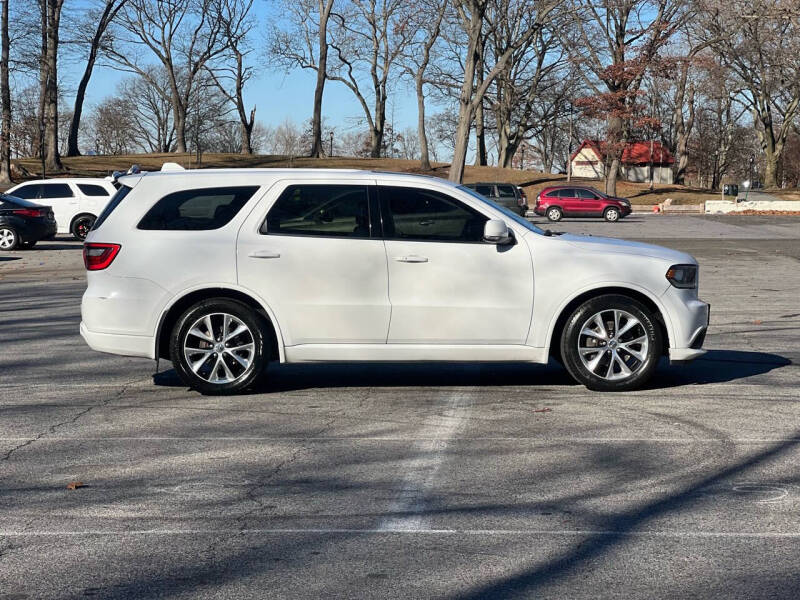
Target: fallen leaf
[545,409]
[757,322]
[74,485]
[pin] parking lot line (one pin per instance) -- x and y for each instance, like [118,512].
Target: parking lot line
[429,453]
[382,531]
[539,439]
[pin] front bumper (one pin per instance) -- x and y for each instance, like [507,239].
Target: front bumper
[692,333]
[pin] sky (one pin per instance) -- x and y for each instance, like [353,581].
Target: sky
[276,94]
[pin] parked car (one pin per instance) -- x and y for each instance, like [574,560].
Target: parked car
[75,202]
[224,270]
[580,201]
[24,223]
[505,194]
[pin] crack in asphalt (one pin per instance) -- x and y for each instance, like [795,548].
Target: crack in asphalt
[51,429]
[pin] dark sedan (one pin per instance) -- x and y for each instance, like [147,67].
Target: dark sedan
[24,223]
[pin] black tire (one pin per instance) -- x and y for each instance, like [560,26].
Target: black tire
[201,379]
[554,213]
[641,370]
[9,238]
[612,214]
[81,226]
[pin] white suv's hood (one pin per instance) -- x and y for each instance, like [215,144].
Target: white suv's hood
[601,244]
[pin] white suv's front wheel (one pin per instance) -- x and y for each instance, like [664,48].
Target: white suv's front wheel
[611,343]
[217,346]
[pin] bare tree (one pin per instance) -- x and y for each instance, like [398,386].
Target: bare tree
[759,41]
[427,21]
[615,42]
[184,35]
[148,100]
[368,39]
[304,42]
[236,25]
[473,15]
[101,18]
[5,100]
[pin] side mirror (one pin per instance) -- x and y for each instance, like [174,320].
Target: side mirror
[496,232]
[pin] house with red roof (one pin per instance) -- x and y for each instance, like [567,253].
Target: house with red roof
[641,162]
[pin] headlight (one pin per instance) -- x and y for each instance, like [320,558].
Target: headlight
[683,276]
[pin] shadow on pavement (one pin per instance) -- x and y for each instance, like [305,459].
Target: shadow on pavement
[718,366]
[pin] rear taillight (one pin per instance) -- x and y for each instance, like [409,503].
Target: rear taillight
[29,212]
[538,199]
[97,257]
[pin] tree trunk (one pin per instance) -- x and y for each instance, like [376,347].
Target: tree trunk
[379,128]
[179,116]
[52,157]
[247,133]
[5,100]
[465,108]
[424,157]
[317,149]
[615,140]
[771,172]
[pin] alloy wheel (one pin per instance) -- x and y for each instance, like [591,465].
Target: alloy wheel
[219,348]
[613,344]
[8,239]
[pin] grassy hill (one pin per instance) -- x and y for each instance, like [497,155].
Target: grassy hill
[532,181]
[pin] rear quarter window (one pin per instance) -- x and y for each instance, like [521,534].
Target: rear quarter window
[197,210]
[93,190]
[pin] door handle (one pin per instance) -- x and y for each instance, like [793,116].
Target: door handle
[426,222]
[264,254]
[413,258]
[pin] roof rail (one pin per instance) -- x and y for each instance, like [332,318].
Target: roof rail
[134,170]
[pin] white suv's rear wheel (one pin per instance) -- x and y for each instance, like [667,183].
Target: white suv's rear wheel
[217,346]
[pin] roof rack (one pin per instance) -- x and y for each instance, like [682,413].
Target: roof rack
[134,170]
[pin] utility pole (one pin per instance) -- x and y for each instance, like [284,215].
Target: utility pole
[331,153]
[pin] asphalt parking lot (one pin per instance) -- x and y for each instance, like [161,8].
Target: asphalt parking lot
[410,481]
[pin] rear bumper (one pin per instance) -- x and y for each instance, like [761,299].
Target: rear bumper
[113,343]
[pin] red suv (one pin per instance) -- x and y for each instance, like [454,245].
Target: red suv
[573,201]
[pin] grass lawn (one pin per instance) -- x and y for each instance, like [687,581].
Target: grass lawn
[531,181]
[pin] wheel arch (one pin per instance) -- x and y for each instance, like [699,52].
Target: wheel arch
[564,312]
[172,312]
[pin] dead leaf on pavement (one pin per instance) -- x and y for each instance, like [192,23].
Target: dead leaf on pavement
[74,485]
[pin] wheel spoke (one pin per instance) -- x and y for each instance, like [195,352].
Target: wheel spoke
[245,362]
[209,326]
[203,336]
[610,370]
[598,322]
[616,324]
[629,324]
[634,353]
[241,328]
[197,365]
[249,347]
[624,370]
[592,364]
[587,351]
[593,333]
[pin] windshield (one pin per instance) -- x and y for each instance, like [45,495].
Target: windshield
[509,213]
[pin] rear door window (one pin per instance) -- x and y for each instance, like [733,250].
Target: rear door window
[55,190]
[197,210]
[93,190]
[321,210]
[566,193]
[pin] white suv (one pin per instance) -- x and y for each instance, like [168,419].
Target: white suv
[75,202]
[224,270]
